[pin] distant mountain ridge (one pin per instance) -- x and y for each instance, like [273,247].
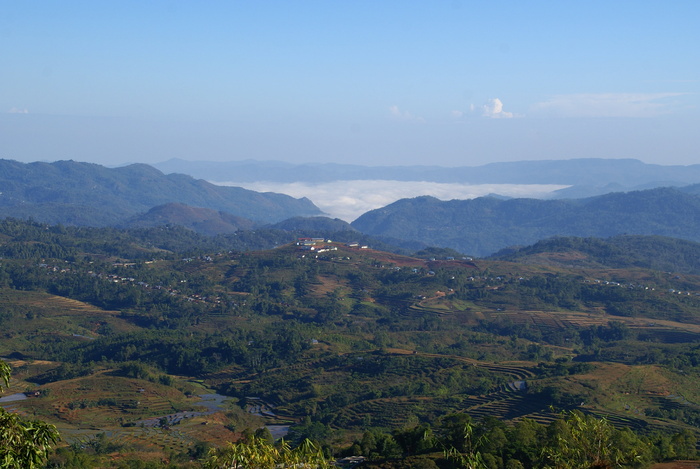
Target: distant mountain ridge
[138,195]
[88,194]
[485,225]
[591,173]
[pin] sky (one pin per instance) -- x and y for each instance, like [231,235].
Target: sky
[441,82]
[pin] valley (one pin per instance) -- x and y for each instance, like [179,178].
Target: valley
[335,341]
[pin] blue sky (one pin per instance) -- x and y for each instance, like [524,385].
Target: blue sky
[391,82]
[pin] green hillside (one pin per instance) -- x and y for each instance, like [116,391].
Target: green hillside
[485,225]
[626,251]
[119,336]
[86,194]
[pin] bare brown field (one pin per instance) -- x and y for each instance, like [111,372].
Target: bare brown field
[42,309]
[127,410]
[326,285]
[69,305]
[389,258]
[677,465]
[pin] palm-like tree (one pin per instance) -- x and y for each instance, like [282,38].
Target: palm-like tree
[258,453]
[24,444]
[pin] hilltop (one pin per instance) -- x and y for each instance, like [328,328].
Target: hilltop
[201,220]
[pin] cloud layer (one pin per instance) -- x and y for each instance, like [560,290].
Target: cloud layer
[348,200]
[608,105]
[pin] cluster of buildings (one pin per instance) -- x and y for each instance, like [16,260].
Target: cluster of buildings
[315,244]
[322,245]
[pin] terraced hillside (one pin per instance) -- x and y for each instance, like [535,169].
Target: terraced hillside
[337,340]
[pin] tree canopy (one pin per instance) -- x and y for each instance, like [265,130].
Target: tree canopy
[24,444]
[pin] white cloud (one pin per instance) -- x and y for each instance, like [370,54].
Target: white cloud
[494,109]
[398,114]
[15,110]
[348,200]
[456,114]
[608,105]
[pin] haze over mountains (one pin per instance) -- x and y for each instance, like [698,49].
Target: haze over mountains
[139,195]
[588,172]
[347,191]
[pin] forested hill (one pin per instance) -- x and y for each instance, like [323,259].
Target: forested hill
[25,239]
[88,194]
[485,225]
[625,251]
[202,220]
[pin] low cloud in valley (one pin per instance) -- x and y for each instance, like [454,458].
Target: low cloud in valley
[348,200]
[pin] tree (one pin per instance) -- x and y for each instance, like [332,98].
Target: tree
[525,438]
[456,431]
[258,453]
[5,372]
[24,444]
[582,441]
[415,440]
[459,441]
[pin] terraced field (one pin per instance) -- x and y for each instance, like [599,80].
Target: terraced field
[39,314]
[516,371]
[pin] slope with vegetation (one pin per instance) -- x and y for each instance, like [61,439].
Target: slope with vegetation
[24,444]
[85,194]
[485,225]
[116,335]
[623,251]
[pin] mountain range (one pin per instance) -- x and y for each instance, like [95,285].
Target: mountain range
[141,196]
[586,176]
[484,225]
[77,193]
